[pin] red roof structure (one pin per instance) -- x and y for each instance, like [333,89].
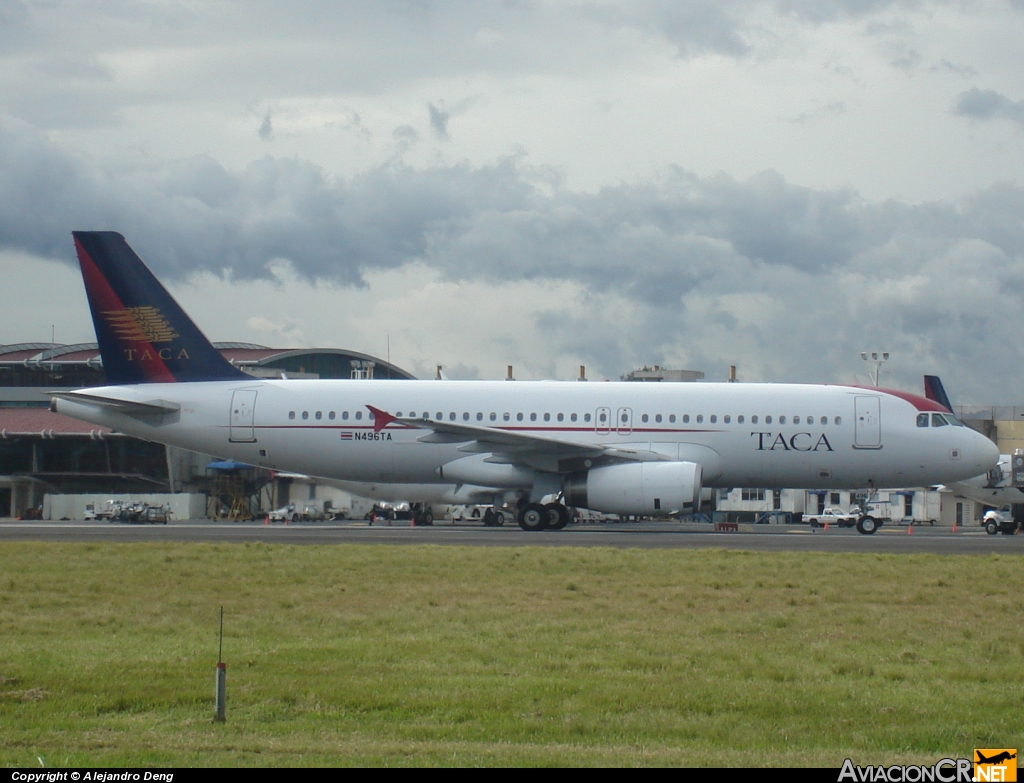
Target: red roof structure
[42,421]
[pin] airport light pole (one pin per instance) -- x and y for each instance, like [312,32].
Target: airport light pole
[876,359]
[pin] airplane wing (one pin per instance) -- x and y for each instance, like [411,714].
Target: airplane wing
[517,448]
[131,407]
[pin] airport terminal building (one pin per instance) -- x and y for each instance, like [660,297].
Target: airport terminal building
[42,452]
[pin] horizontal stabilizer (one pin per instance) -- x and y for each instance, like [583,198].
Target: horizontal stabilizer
[131,407]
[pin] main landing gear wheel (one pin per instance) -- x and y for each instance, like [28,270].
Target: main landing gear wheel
[558,516]
[533,516]
[867,525]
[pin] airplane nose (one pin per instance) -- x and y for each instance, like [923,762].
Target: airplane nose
[986,453]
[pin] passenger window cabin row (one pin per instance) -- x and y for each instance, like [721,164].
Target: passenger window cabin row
[603,418]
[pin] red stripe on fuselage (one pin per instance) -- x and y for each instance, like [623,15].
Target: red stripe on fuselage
[103,298]
[919,402]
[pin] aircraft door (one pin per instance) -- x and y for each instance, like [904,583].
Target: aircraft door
[867,423]
[603,421]
[624,421]
[243,410]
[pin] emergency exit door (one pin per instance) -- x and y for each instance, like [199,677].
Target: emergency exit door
[243,411]
[867,422]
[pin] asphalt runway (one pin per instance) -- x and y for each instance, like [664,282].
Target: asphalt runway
[647,535]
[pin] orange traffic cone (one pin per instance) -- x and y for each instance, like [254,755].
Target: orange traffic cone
[910,529]
[266,519]
[954,527]
[826,524]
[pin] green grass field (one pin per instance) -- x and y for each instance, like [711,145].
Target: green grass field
[528,656]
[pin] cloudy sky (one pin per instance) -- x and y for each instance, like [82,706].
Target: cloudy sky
[775,184]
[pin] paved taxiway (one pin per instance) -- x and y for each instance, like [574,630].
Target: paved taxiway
[662,535]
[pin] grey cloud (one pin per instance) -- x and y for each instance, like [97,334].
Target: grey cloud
[786,281]
[259,50]
[724,27]
[405,133]
[831,10]
[906,58]
[965,71]
[695,28]
[988,105]
[829,109]
[657,240]
[13,16]
[996,215]
[438,121]
[194,214]
[266,131]
[74,68]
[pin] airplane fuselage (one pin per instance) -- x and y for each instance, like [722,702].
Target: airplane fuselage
[759,435]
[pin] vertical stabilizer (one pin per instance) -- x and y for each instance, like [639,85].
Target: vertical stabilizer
[935,392]
[143,334]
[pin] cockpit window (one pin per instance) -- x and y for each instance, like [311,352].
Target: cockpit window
[922,420]
[953,420]
[938,420]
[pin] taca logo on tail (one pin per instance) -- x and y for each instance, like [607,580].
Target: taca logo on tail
[143,334]
[140,323]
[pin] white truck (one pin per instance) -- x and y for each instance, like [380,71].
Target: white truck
[489,515]
[833,516]
[1001,521]
[293,513]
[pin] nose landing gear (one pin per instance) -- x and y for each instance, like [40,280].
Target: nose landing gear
[867,525]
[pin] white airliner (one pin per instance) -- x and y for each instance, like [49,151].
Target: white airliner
[623,448]
[995,488]
[1001,486]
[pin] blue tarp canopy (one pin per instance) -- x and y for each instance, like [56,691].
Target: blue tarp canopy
[228,465]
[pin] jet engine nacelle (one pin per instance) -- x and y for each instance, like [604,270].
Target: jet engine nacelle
[650,488]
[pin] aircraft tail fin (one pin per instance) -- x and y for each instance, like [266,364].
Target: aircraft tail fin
[143,334]
[934,391]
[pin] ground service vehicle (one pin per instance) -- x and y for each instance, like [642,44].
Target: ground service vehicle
[294,513]
[488,515]
[999,522]
[833,516]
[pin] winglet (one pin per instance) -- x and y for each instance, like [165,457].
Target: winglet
[381,419]
[934,391]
